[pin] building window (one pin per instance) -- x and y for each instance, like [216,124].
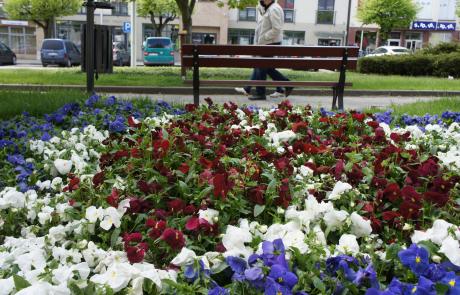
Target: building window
[293,38]
[21,40]
[329,42]
[289,16]
[326,4]
[247,15]
[241,37]
[120,8]
[82,10]
[325,13]
[289,4]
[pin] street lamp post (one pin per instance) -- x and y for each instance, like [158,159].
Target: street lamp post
[89,45]
[133,35]
[348,22]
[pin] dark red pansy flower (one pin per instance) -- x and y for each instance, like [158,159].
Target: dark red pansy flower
[441,185]
[136,253]
[222,185]
[395,137]
[410,195]
[98,178]
[409,210]
[189,210]
[356,174]
[338,169]
[428,168]
[358,117]
[156,228]
[437,198]
[209,101]
[113,198]
[136,153]
[368,207]
[121,154]
[379,182]
[392,192]
[160,148]
[193,223]
[74,184]
[174,238]
[256,194]
[132,237]
[282,164]
[132,122]
[376,224]
[161,214]
[284,198]
[207,228]
[373,124]
[379,134]
[220,248]
[184,168]
[390,215]
[190,107]
[137,205]
[71,202]
[148,188]
[176,206]
[298,126]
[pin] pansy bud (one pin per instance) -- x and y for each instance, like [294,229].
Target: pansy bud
[280,210]
[407,226]
[263,228]
[436,258]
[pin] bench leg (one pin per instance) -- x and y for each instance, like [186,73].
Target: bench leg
[334,98]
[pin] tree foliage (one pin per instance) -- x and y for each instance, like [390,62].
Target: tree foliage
[42,12]
[160,12]
[387,14]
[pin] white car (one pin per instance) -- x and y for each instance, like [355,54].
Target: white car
[389,50]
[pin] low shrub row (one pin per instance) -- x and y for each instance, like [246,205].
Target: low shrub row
[442,65]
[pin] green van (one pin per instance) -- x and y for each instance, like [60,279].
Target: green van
[158,51]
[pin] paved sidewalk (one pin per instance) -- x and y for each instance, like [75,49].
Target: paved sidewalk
[357,103]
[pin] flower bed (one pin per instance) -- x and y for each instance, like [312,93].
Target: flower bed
[228,200]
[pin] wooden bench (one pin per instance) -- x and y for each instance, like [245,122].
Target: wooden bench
[270,56]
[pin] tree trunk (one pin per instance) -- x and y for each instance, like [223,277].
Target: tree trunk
[187,26]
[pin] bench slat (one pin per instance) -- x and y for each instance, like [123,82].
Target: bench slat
[261,62]
[267,83]
[271,50]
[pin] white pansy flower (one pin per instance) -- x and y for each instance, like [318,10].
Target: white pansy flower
[7,286]
[56,183]
[185,257]
[45,215]
[305,171]
[93,214]
[44,288]
[338,190]
[234,241]
[451,248]
[11,198]
[348,244]
[335,218]
[63,166]
[359,226]
[210,215]
[116,277]
[111,217]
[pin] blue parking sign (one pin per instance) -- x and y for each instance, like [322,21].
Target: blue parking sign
[126,27]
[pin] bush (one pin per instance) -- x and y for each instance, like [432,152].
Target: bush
[442,48]
[442,65]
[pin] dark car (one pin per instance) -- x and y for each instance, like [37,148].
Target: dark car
[121,56]
[59,52]
[7,56]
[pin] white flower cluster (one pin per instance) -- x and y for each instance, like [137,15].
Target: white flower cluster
[445,235]
[73,149]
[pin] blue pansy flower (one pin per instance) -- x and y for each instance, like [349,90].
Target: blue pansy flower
[416,258]
[367,274]
[218,290]
[273,288]
[274,253]
[453,282]
[238,266]
[424,287]
[283,276]
[255,276]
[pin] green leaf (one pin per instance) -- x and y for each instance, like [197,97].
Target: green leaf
[114,237]
[319,285]
[20,283]
[392,252]
[258,209]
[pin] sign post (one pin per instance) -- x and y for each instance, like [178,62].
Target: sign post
[89,40]
[133,35]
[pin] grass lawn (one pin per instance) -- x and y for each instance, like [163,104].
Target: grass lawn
[169,76]
[35,103]
[421,108]
[39,103]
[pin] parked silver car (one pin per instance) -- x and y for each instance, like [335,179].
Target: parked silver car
[59,52]
[389,50]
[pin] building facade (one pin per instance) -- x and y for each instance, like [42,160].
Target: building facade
[307,22]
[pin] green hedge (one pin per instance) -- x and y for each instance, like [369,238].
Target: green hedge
[442,65]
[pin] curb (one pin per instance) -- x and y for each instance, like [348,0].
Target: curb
[222,90]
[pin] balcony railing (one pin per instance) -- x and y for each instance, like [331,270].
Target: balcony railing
[325,17]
